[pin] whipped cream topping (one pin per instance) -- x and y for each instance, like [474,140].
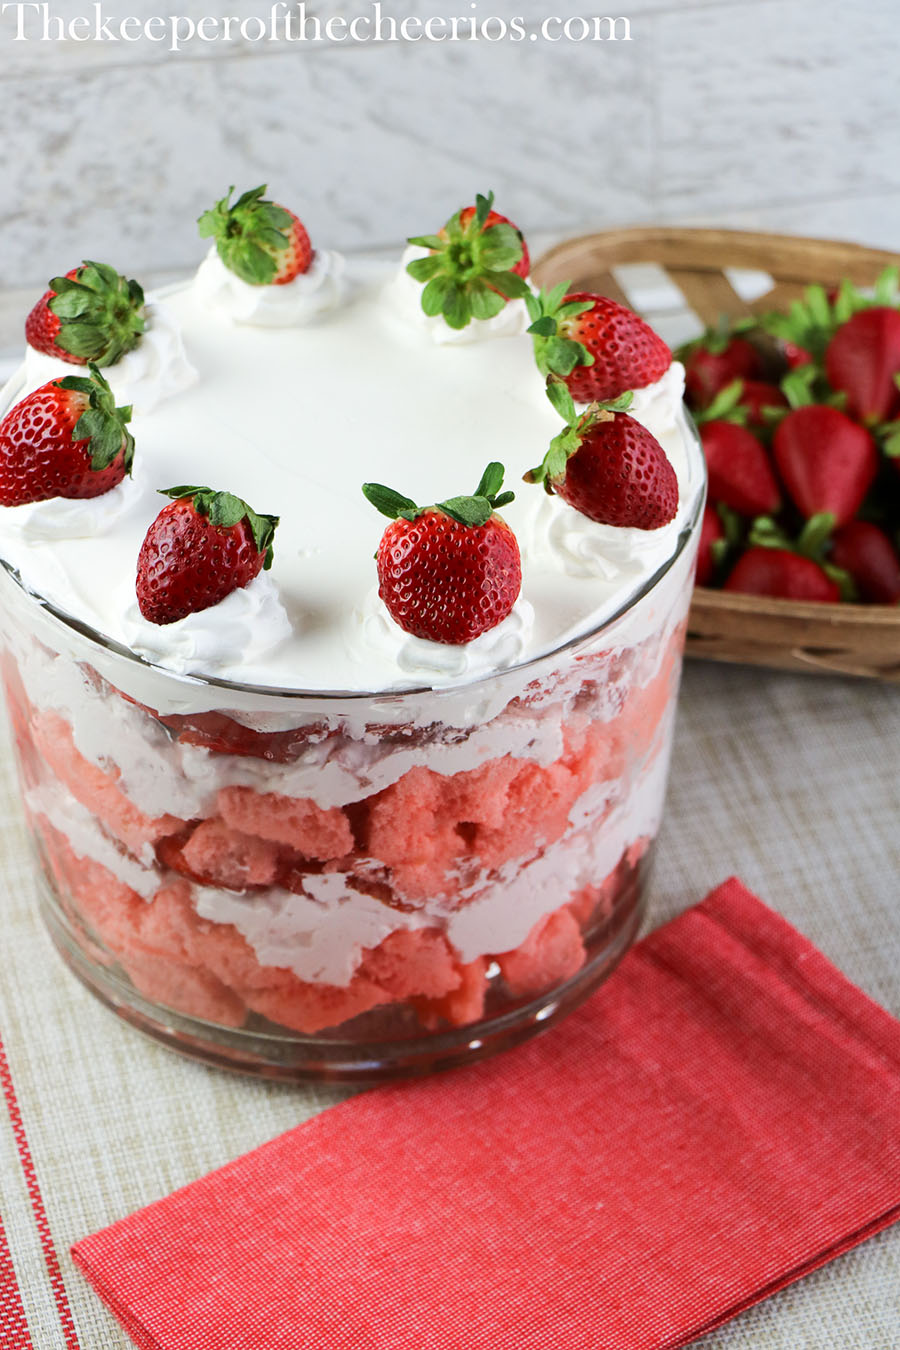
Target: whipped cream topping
[294,420]
[247,624]
[156,369]
[404,294]
[310,294]
[439,663]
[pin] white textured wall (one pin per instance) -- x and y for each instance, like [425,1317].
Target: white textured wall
[770,113]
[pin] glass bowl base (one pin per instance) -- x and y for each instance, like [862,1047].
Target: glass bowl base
[350,1054]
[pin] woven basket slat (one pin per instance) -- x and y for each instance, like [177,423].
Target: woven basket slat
[604,283]
[709,294]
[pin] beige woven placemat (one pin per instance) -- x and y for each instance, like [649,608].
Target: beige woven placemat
[789,781]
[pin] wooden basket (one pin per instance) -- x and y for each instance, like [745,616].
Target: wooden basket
[790,635]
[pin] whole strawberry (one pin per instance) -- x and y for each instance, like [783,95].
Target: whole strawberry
[597,346]
[714,361]
[608,466]
[450,572]
[476,263]
[67,439]
[200,548]
[862,360]
[262,243]
[740,473]
[778,573]
[826,462]
[92,315]
[866,552]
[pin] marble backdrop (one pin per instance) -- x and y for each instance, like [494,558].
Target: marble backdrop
[776,114]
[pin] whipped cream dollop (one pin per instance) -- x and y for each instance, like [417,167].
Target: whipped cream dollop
[155,370]
[239,630]
[297,302]
[404,294]
[442,663]
[74,517]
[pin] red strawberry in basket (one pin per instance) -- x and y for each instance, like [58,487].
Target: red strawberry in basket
[714,361]
[200,548]
[739,469]
[92,315]
[866,552]
[827,462]
[449,572]
[261,242]
[475,264]
[597,346]
[863,359]
[67,439]
[608,466]
[781,574]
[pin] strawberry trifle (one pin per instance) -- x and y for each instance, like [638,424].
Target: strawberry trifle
[344,608]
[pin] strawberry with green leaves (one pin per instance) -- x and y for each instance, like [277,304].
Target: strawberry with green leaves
[475,265]
[67,439]
[449,572]
[811,322]
[201,547]
[608,466]
[259,241]
[599,348]
[737,463]
[91,316]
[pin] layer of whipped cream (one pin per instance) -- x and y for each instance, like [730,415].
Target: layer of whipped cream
[295,420]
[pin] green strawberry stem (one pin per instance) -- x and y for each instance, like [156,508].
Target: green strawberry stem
[101,314]
[225,511]
[249,234]
[554,352]
[553,465]
[725,407]
[468,272]
[102,424]
[473,511]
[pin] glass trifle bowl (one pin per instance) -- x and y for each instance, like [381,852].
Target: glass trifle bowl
[322,879]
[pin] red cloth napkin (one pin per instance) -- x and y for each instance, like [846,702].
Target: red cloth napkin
[720,1118]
